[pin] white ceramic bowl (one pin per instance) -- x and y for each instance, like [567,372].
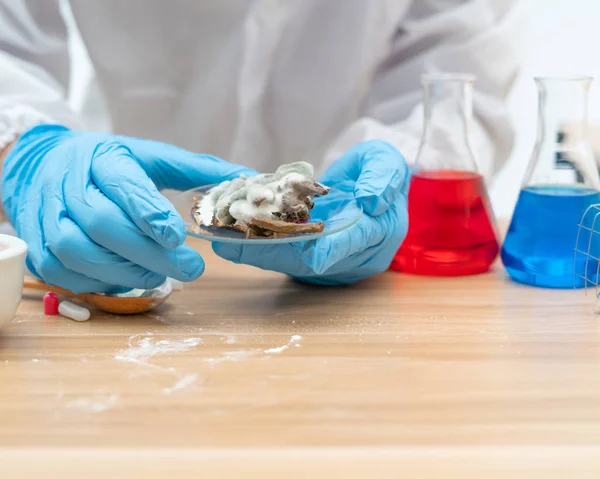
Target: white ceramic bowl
[12,272]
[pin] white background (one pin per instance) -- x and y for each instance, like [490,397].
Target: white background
[562,38]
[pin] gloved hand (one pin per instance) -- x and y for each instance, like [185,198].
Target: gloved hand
[88,206]
[377,174]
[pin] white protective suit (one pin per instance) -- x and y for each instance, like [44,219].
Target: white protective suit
[263,82]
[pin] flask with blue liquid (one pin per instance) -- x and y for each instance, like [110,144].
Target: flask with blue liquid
[561,183]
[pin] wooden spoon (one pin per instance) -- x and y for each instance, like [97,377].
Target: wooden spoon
[110,304]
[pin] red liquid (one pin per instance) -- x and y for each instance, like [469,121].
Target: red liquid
[451,228]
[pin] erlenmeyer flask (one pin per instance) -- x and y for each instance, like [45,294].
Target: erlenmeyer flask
[561,182]
[451,229]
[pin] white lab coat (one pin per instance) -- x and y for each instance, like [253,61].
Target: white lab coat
[263,82]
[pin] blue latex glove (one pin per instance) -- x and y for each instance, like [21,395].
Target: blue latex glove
[377,174]
[88,206]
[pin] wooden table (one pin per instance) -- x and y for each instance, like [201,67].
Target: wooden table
[245,373]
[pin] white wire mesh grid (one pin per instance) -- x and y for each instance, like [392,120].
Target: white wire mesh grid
[587,252]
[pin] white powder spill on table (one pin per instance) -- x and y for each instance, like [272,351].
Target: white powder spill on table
[142,347]
[40,361]
[233,356]
[94,405]
[184,383]
[147,347]
[293,340]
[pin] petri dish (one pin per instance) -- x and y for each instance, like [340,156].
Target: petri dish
[338,210]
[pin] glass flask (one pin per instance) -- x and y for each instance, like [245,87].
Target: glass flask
[451,229]
[560,183]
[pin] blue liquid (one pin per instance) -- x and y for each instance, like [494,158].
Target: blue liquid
[539,246]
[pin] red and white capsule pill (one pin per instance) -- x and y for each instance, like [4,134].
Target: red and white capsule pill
[50,304]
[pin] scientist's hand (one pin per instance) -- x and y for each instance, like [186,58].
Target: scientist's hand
[88,206]
[377,174]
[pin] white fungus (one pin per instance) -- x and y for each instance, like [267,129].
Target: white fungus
[259,196]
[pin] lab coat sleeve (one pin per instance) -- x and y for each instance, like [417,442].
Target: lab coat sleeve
[481,37]
[34,67]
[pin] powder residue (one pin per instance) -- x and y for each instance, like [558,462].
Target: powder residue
[94,405]
[141,350]
[163,290]
[233,356]
[183,383]
[229,339]
[142,347]
[293,340]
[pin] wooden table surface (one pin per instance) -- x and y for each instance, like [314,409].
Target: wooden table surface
[245,373]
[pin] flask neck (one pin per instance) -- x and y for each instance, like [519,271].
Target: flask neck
[448,105]
[562,110]
[448,110]
[562,154]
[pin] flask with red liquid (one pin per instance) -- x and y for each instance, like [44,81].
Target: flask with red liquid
[451,229]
